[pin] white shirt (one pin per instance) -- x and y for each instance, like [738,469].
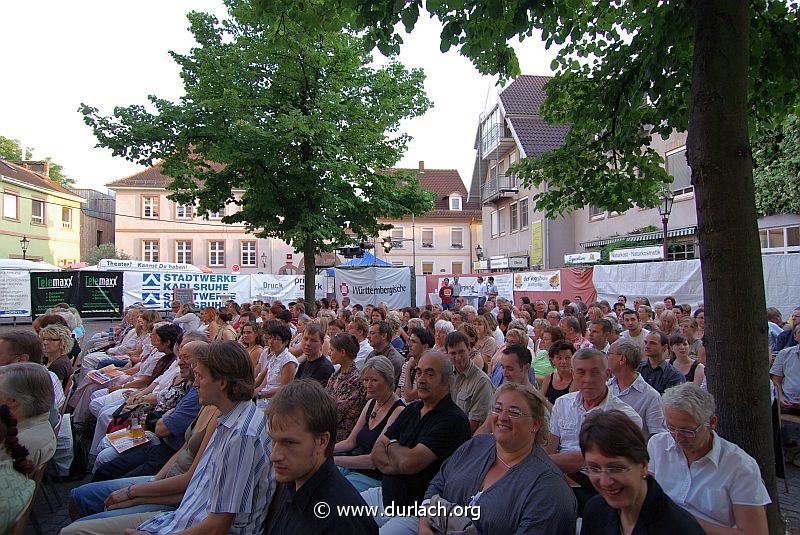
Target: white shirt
[645,400]
[787,365]
[638,340]
[364,349]
[58,390]
[568,415]
[164,380]
[710,487]
[498,337]
[482,289]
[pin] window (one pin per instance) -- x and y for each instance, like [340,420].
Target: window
[150,250]
[248,253]
[150,207]
[594,211]
[183,251]
[523,213]
[99,238]
[455,202]
[397,237]
[501,218]
[397,263]
[780,240]
[457,237]
[37,212]
[514,209]
[66,217]
[677,167]
[681,251]
[427,238]
[10,205]
[216,215]
[427,268]
[495,224]
[457,268]
[216,253]
[183,211]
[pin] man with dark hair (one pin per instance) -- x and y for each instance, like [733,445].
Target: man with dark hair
[359,327]
[316,365]
[471,388]
[656,369]
[286,317]
[446,294]
[516,361]
[380,338]
[302,426]
[622,299]
[633,329]
[669,302]
[600,334]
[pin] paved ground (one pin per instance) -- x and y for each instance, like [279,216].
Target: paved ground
[52,516]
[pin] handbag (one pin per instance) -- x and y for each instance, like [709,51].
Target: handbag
[444,523]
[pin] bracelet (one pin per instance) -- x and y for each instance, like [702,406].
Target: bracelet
[128,491]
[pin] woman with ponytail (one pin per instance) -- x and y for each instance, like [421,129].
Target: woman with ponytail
[16,470]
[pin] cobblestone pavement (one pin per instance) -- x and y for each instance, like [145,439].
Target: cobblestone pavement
[52,515]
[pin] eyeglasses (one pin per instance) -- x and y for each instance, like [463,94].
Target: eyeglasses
[688,433]
[511,411]
[611,470]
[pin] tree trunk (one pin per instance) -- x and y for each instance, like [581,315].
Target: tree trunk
[310,272]
[718,151]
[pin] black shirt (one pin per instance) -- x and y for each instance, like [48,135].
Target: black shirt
[442,430]
[663,376]
[320,370]
[659,514]
[298,510]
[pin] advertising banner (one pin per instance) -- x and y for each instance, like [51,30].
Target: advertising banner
[286,288]
[538,281]
[635,254]
[141,265]
[374,285]
[505,285]
[155,290]
[15,293]
[48,288]
[469,285]
[100,294]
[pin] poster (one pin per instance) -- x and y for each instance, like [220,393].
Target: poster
[374,285]
[15,294]
[469,285]
[538,281]
[537,243]
[505,285]
[285,288]
[154,290]
[48,288]
[99,294]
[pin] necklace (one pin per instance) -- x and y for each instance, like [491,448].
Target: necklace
[374,412]
[504,463]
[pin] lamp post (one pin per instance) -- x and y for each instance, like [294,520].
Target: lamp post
[665,208]
[264,260]
[24,243]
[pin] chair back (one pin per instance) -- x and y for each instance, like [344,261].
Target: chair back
[21,523]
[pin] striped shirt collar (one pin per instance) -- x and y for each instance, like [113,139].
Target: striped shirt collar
[229,420]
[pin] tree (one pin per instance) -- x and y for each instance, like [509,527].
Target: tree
[776,160]
[104,251]
[293,117]
[628,70]
[10,149]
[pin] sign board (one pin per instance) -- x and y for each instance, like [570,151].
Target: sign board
[537,243]
[469,285]
[48,288]
[15,293]
[538,281]
[155,290]
[183,296]
[99,294]
[374,285]
[478,265]
[518,262]
[236,268]
[635,254]
[592,257]
[505,285]
[498,263]
[140,265]
[283,287]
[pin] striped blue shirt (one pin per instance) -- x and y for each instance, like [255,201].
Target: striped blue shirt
[234,475]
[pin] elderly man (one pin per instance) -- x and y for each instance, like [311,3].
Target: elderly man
[628,385]
[27,390]
[713,479]
[414,447]
[785,373]
[656,370]
[471,389]
[380,338]
[589,368]
[572,329]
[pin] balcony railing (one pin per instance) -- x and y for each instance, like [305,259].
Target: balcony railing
[491,136]
[498,186]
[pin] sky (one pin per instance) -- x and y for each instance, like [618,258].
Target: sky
[108,54]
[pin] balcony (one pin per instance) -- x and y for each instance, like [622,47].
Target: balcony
[498,187]
[496,140]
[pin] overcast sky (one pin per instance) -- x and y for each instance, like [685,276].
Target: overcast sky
[59,54]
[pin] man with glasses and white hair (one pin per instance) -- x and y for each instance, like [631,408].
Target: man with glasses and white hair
[712,478]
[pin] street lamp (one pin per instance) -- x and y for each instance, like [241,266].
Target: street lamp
[665,208]
[24,243]
[264,260]
[479,252]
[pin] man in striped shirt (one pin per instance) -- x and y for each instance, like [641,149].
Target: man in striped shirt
[234,481]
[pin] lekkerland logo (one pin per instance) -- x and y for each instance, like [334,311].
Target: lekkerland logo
[344,289]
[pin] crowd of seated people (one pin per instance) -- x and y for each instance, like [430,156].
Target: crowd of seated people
[493,420]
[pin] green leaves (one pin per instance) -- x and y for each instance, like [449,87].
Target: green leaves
[776,172]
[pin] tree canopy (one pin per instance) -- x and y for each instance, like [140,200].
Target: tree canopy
[776,172]
[104,251]
[293,118]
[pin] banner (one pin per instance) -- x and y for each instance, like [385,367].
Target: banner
[374,285]
[469,285]
[538,281]
[681,279]
[141,265]
[15,293]
[505,285]
[99,294]
[286,288]
[154,290]
[48,288]
[537,243]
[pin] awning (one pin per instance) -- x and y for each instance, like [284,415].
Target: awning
[659,235]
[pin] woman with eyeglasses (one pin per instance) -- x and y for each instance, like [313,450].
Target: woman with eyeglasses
[57,345]
[713,479]
[629,500]
[506,474]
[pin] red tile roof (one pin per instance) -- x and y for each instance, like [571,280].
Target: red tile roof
[32,178]
[443,183]
[524,95]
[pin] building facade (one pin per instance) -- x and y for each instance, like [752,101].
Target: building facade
[44,212]
[97,216]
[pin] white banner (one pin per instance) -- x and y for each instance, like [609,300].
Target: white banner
[15,293]
[108,264]
[681,279]
[538,281]
[287,288]
[635,254]
[374,285]
[154,290]
[505,285]
[469,285]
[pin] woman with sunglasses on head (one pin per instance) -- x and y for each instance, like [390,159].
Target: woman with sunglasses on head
[506,474]
[629,500]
